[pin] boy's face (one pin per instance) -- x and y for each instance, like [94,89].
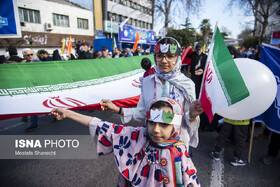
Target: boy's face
[160,132]
[166,62]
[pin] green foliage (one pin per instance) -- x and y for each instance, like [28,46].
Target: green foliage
[251,41]
[185,37]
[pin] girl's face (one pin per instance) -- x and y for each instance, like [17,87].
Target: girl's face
[160,132]
[166,62]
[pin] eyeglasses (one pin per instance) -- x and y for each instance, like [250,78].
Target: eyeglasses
[29,55]
[169,58]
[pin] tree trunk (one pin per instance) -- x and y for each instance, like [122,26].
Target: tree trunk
[264,24]
[166,16]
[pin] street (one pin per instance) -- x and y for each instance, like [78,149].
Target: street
[103,171]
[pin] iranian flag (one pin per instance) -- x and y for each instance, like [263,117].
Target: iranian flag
[222,83]
[37,88]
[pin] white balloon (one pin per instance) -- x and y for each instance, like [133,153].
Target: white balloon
[262,86]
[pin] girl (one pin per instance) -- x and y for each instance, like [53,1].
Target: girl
[151,155]
[167,81]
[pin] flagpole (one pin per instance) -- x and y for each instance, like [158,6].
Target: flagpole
[208,58]
[251,142]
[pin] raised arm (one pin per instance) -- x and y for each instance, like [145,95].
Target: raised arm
[61,113]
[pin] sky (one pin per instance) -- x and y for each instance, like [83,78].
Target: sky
[216,10]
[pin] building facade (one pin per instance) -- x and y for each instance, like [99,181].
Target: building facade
[45,23]
[138,11]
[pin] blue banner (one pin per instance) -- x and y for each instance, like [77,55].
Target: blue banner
[127,34]
[270,56]
[9,21]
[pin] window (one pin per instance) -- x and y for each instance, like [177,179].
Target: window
[109,16]
[128,3]
[60,20]
[82,23]
[118,18]
[28,15]
[133,22]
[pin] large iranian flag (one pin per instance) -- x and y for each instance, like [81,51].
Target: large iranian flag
[222,83]
[36,88]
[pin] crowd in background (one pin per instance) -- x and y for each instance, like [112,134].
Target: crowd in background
[83,50]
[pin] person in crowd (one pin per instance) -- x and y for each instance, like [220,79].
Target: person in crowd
[77,47]
[56,56]
[150,155]
[147,66]
[6,55]
[148,49]
[43,56]
[117,53]
[29,58]
[4,58]
[273,148]
[14,58]
[239,129]
[197,65]
[167,81]
[138,51]
[105,53]
[85,53]
[72,57]
[99,54]
[128,52]
[198,61]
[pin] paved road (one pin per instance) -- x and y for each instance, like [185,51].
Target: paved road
[103,171]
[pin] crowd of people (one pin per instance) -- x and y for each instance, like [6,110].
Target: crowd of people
[169,109]
[83,50]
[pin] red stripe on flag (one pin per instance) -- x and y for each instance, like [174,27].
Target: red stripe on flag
[206,104]
[125,103]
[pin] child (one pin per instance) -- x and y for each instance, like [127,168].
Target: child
[145,156]
[146,65]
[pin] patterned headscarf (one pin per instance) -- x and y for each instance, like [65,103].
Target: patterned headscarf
[174,141]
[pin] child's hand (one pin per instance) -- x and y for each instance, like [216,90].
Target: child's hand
[195,109]
[59,113]
[108,105]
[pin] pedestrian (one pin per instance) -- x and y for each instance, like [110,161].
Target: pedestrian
[85,53]
[104,53]
[14,58]
[167,81]
[128,52]
[116,53]
[239,129]
[148,49]
[56,56]
[29,57]
[147,66]
[43,56]
[150,155]
[197,65]
[273,148]
[138,51]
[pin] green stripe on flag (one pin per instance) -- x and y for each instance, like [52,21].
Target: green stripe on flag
[21,75]
[227,72]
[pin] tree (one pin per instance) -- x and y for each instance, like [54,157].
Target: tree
[261,9]
[205,28]
[225,32]
[165,7]
[244,35]
[184,36]
[187,24]
[251,41]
